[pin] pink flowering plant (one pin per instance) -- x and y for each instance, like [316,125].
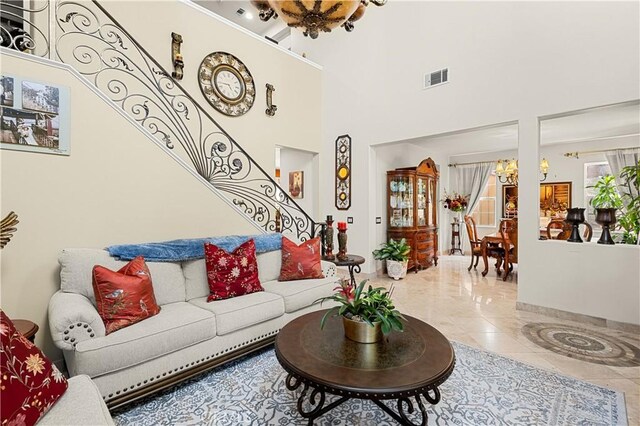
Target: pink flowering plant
[455,202]
[371,305]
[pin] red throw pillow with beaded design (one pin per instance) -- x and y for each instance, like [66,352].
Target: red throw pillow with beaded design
[231,274]
[300,262]
[29,383]
[124,297]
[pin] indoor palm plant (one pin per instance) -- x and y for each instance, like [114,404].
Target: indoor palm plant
[366,313]
[396,255]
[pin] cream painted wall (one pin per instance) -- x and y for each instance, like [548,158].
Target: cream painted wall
[297,82]
[307,162]
[117,186]
[508,61]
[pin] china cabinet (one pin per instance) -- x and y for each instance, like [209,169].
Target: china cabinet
[412,211]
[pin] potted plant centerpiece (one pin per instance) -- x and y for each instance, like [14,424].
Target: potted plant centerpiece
[396,255]
[366,314]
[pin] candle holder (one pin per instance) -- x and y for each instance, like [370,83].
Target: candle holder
[575,216]
[606,218]
[328,239]
[342,241]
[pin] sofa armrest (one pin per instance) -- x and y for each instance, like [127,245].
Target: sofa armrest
[72,319]
[328,269]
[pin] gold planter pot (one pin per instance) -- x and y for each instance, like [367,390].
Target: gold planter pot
[361,331]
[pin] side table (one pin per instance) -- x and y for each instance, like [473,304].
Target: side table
[352,262]
[27,328]
[455,238]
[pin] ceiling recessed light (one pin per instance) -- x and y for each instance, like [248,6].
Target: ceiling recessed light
[248,15]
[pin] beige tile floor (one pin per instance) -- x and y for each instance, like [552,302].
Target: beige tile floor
[481,312]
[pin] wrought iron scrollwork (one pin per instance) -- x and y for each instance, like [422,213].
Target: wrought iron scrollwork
[312,407]
[26,29]
[94,43]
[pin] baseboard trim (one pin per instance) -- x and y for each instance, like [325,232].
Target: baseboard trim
[572,316]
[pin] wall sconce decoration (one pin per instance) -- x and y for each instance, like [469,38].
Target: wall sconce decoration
[343,172]
[7,228]
[271,108]
[178,63]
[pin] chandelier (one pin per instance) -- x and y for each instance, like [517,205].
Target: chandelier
[315,15]
[507,171]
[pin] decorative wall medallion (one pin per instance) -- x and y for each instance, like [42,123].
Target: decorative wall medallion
[227,84]
[583,344]
[343,172]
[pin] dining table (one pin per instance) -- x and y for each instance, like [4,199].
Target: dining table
[493,240]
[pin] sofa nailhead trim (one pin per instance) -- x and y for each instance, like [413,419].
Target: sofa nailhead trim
[193,363]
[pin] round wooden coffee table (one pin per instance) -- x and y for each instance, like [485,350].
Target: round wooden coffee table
[403,366]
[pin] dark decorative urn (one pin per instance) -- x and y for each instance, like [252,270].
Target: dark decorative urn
[575,216]
[606,218]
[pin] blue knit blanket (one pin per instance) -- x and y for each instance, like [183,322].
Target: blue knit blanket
[189,249]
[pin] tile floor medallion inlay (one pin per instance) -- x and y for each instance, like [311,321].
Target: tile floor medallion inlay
[580,343]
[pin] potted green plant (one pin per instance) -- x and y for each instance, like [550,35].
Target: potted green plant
[606,201]
[396,255]
[366,314]
[629,220]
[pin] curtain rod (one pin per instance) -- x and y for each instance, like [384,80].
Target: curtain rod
[475,162]
[576,153]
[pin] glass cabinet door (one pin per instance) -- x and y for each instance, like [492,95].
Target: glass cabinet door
[422,204]
[401,201]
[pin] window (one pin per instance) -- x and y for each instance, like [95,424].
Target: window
[592,173]
[484,214]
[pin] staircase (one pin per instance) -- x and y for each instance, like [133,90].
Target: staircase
[85,36]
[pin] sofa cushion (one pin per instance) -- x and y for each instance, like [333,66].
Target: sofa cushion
[231,274]
[124,297]
[31,384]
[82,404]
[195,273]
[177,326]
[77,265]
[300,261]
[300,294]
[269,265]
[243,311]
[195,276]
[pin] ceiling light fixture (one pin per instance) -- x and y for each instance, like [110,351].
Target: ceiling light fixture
[314,16]
[248,15]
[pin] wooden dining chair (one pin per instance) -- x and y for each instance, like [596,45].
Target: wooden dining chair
[566,230]
[476,246]
[509,234]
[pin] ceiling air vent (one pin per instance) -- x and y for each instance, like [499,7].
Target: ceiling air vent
[436,78]
[240,12]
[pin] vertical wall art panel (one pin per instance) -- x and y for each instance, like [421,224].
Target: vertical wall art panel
[343,172]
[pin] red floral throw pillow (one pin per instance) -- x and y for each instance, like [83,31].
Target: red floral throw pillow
[124,297]
[29,383]
[300,262]
[231,274]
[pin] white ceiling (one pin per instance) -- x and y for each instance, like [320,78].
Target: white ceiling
[603,122]
[228,8]
[594,123]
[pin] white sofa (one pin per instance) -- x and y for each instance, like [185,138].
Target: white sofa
[187,337]
[80,405]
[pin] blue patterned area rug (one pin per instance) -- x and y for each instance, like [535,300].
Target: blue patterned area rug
[484,389]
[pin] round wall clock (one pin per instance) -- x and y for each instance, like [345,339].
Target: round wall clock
[227,84]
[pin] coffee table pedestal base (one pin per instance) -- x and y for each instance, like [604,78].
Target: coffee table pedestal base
[317,399]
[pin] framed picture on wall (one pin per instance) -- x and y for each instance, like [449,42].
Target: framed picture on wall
[509,201]
[296,184]
[34,116]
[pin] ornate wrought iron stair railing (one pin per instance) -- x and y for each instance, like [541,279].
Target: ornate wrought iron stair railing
[89,39]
